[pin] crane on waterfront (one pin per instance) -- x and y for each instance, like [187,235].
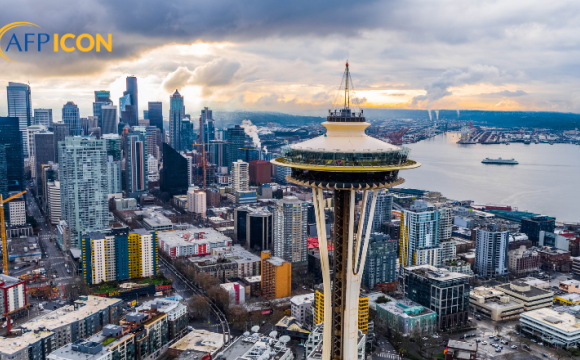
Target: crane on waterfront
[3,230]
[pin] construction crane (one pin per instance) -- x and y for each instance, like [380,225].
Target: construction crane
[3,230]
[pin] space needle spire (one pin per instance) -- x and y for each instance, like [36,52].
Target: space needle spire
[344,160]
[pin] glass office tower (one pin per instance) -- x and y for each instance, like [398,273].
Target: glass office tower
[19,105]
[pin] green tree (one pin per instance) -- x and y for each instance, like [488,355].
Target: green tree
[382,299]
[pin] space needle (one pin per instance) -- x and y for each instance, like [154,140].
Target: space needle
[344,160]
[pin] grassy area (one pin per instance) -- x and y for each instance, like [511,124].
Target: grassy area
[158,279]
[104,288]
[108,341]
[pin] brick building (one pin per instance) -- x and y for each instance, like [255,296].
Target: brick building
[522,261]
[555,259]
[260,172]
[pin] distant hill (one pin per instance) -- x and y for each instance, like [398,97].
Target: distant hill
[507,119]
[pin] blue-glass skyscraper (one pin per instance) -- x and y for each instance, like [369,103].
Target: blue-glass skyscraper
[11,140]
[70,116]
[102,98]
[136,161]
[236,138]
[19,105]
[207,127]
[156,114]
[129,103]
[176,115]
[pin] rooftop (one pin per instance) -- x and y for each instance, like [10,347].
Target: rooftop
[434,273]
[12,345]
[302,299]
[254,279]
[192,236]
[67,314]
[564,322]
[162,305]
[523,289]
[571,297]
[7,281]
[576,283]
[200,341]
[462,345]
[405,308]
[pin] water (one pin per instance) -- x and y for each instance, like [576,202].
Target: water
[546,181]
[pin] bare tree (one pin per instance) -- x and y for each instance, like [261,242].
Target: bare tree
[198,306]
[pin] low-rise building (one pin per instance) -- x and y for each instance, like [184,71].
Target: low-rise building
[536,282]
[458,266]
[555,328]
[250,347]
[464,350]
[216,266]
[570,286]
[79,321]
[248,263]
[300,305]
[27,345]
[555,259]
[236,291]
[494,304]
[523,261]
[155,220]
[254,283]
[177,319]
[530,296]
[197,344]
[568,299]
[407,317]
[290,326]
[191,242]
[576,265]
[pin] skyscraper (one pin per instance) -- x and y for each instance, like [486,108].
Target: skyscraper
[491,252]
[236,138]
[109,121]
[240,176]
[131,83]
[176,115]
[61,131]
[11,138]
[43,117]
[43,154]
[83,177]
[102,98]
[146,115]
[136,166]
[290,224]
[422,229]
[70,116]
[3,171]
[19,105]
[207,127]
[33,129]
[381,263]
[156,114]
[175,173]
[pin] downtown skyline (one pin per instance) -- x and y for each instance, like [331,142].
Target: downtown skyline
[419,55]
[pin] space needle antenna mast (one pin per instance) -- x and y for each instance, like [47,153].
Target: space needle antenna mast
[344,160]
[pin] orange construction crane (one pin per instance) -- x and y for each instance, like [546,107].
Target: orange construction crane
[3,231]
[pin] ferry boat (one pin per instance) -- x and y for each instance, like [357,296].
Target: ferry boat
[499,161]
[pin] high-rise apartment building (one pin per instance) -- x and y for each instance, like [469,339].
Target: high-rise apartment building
[236,138]
[71,116]
[83,178]
[176,115]
[281,173]
[12,139]
[381,263]
[19,106]
[152,168]
[240,176]
[108,119]
[43,117]
[54,202]
[276,276]
[114,176]
[136,165]
[491,252]
[156,114]
[290,230]
[119,254]
[447,293]
[253,227]
[153,141]
[383,209]
[260,172]
[16,210]
[196,202]
[423,227]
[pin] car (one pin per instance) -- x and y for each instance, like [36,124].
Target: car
[497,350]
[491,336]
[472,335]
[496,339]
[16,268]
[534,341]
[484,343]
[544,355]
[477,340]
[541,343]
[514,347]
[425,338]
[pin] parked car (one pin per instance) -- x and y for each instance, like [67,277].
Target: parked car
[484,343]
[497,350]
[544,355]
[477,340]
[514,347]
[534,341]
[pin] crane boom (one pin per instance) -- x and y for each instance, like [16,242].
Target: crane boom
[3,231]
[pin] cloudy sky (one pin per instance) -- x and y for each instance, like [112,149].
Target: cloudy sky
[289,56]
